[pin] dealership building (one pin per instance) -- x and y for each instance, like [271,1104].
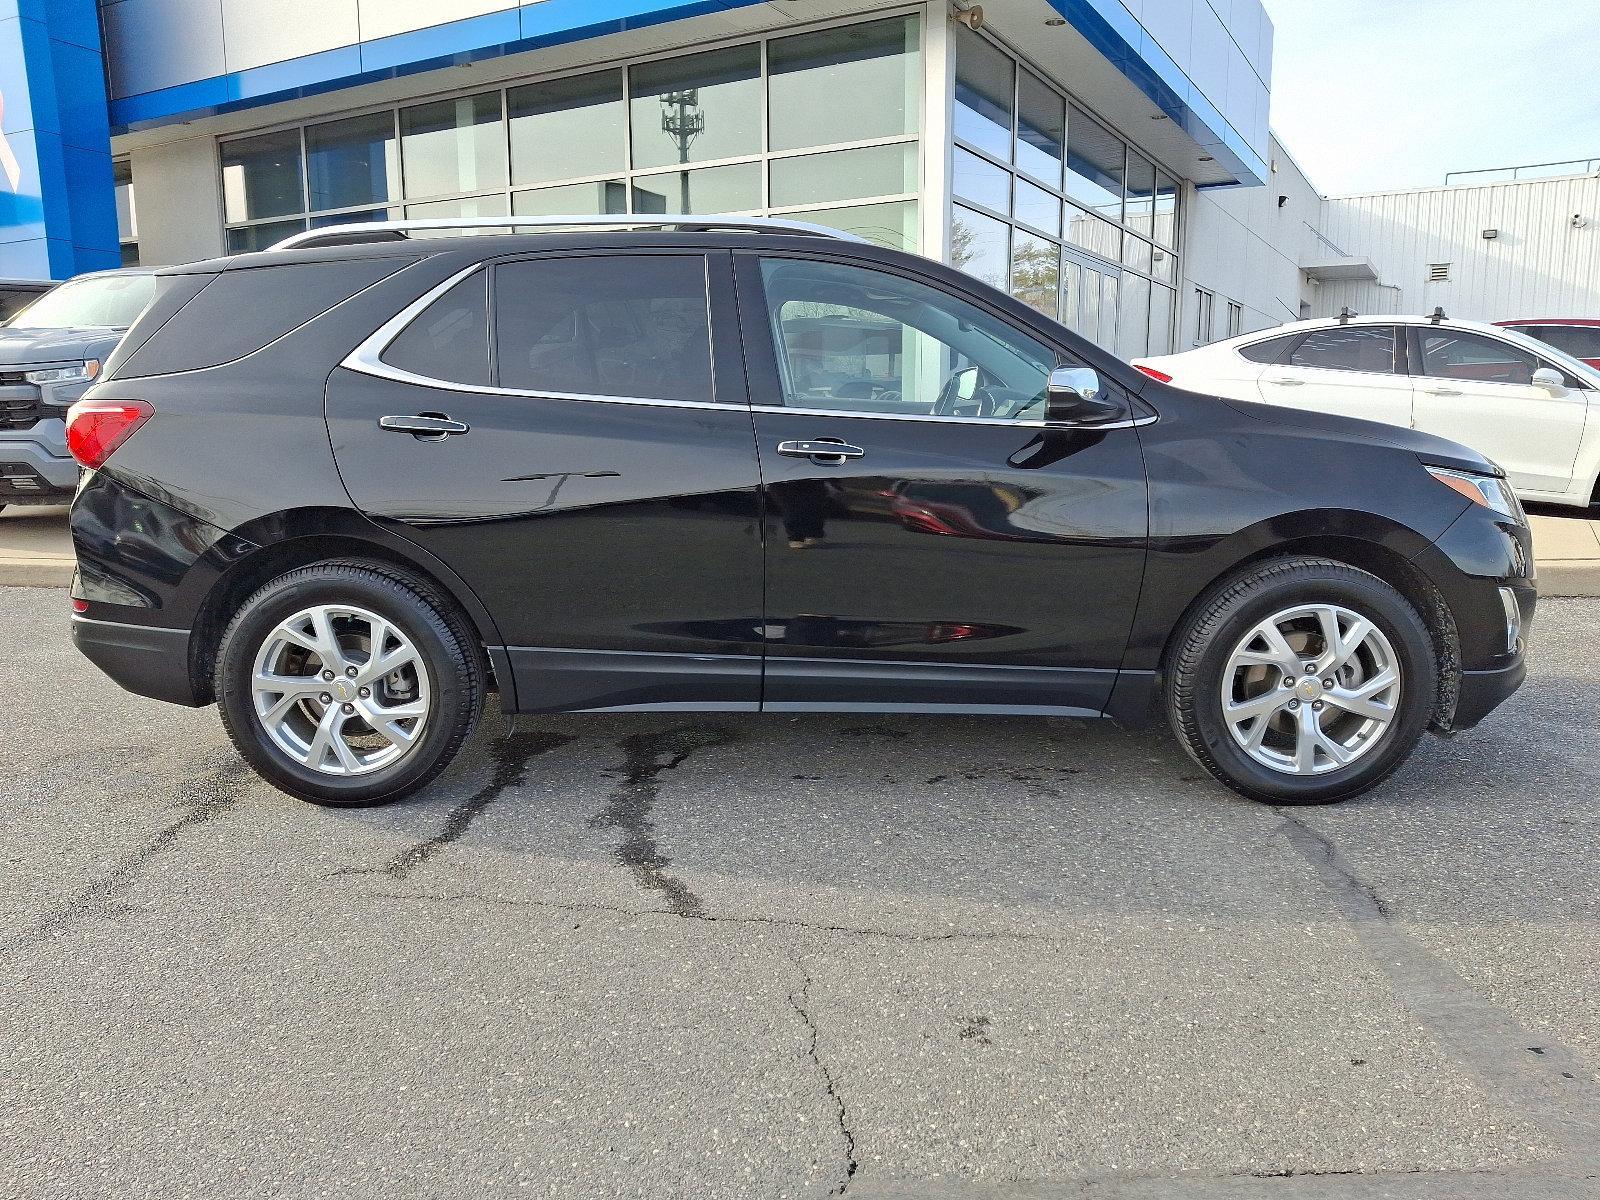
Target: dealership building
[1107,161]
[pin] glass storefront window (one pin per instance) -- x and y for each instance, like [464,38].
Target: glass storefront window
[567,128]
[1161,303]
[1093,234]
[261,176]
[1133,321]
[844,174]
[452,146]
[1141,195]
[470,206]
[1165,266]
[259,237]
[1166,209]
[697,108]
[1136,253]
[1035,271]
[984,75]
[844,85]
[1041,125]
[127,216]
[979,181]
[893,225]
[1037,207]
[1094,165]
[603,196]
[351,162]
[733,188]
[980,245]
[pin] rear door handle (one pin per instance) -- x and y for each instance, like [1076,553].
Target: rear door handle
[1288,382]
[1443,391]
[830,450]
[424,425]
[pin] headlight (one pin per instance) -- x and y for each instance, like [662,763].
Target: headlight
[76,373]
[1491,491]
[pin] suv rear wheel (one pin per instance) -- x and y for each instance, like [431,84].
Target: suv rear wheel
[348,683]
[1302,681]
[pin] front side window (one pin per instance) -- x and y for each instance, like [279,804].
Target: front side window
[1454,354]
[1347,348]
[450,339]
[850,339]
[634,326]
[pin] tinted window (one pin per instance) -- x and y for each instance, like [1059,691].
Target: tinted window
[1347,348]
[1269,351]
[450,339]
[606,326]
[1452,354]
[858,340]
[1580,341]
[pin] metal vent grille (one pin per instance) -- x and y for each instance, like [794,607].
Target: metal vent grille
[1438,272]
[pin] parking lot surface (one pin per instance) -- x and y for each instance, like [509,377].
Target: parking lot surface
[729,956]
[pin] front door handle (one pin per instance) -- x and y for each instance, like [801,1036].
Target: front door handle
[1442,391]
[430,426]
[1287,382]
[822,450]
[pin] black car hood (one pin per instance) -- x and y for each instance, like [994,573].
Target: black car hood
[1437,451]
[55,345]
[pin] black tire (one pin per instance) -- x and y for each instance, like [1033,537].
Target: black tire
[1225,615]
[441,635]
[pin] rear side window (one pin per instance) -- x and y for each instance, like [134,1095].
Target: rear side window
[1455,354]
[1270,351]
[1347,348]
[450,338]
[1580,341]
[627,326]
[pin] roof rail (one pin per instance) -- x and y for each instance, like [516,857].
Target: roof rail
[372,231]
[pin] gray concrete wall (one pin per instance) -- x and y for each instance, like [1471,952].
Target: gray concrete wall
[178,186]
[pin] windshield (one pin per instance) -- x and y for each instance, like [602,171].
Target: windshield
[105,301]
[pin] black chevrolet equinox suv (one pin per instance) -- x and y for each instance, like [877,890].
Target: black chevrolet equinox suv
[350,487]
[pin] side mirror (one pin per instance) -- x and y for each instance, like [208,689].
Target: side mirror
[1551,380]
[1077,397]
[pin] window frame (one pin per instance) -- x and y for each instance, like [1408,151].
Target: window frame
[764,371]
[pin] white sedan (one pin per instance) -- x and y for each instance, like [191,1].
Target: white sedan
[1530,408]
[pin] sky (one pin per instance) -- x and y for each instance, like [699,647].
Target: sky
[1374,95]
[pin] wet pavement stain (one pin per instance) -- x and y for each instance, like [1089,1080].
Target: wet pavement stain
[512,754]
[630,804]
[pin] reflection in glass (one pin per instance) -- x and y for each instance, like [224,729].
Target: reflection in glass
[1072,296]
[1108,313]
[259,237]
[1136,253]
[979,245]
[261,176]
[471,206]
[1166,209]
[1038,208]
[1164,264]
[844,175]
[1133,323]
[453,146]
[708,190]
[893,224]
[1093,234]
[1141,195]
[1161,305]
[347,218]
[981,182]
[1041,122]
[567,128]
[1035,272]
[844,85]
[1094,165]
[983,94]
[351,161]
[604,196]
[701,107]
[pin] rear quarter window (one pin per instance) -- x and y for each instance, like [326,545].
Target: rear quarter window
[448,340]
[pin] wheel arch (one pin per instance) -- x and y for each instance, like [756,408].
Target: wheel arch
[287,540]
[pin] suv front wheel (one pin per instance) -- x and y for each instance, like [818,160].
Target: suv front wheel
[348,683]
[1302,681]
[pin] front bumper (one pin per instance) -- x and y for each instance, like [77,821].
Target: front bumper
[34,462]
[1484,691]
[144,659]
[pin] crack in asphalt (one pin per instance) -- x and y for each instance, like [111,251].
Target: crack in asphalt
[632,801]
[512,754]
[1546,1081]
[797,1001]
[217,795]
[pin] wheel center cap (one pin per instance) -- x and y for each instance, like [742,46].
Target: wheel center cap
[1309,689]
[343,689]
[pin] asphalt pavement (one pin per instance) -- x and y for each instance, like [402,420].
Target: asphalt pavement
[692,955]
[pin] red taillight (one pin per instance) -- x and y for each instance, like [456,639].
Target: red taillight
[79,606]
[1158,376]
[95,428]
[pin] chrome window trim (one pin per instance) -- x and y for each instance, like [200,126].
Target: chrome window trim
[367,359]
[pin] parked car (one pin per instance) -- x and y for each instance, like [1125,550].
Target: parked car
[1527,406]
[50,352]
[1574,336]
[377,477]
[15,294]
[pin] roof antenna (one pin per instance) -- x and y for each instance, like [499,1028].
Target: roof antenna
[1345,314]
[1438,315]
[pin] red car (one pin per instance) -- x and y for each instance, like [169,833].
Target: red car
[1577,336]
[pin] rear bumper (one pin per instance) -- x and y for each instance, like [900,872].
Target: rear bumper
[145,660]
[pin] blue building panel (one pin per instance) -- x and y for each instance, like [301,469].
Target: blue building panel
[57,201]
